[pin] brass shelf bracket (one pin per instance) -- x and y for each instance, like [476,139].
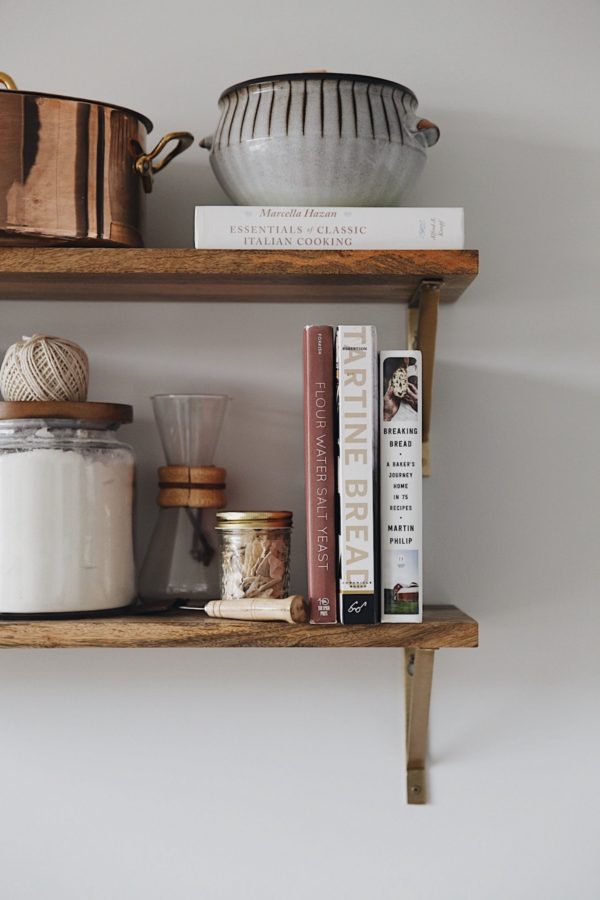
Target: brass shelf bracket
[418,674]
[421,331]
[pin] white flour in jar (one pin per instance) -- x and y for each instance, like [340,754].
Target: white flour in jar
[66,540]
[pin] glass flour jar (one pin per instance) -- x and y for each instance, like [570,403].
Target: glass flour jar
[66,509]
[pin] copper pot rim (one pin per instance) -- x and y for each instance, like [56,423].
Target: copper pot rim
[149,125]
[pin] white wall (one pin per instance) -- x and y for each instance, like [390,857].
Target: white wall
[230,774]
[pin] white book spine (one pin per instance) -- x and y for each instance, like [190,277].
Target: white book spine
[328,228]
[401,540]
[357,473]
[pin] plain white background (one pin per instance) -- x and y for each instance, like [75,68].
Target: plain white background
[279,774]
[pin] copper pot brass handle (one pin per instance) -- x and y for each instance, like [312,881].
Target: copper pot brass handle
[7,81]
[430,132]
[144,162]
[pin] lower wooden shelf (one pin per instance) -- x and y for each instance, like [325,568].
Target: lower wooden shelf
[443,626]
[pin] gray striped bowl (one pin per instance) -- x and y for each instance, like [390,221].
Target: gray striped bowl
[319,139]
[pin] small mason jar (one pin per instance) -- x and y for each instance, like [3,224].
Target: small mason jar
[255,554]
[66,509]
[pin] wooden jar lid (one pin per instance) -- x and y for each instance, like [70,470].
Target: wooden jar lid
[117,413]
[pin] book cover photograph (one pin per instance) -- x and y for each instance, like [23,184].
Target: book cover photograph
[357,473]
[401,570]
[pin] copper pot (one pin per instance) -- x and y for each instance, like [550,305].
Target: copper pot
[74,171]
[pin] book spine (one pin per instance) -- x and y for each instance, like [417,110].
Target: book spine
[328,228]
[319,460]
[356,355]
[401,539]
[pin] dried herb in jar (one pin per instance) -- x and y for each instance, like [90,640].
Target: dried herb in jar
[255,554]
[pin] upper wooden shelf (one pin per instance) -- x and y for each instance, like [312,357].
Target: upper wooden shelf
[288,275]
[443,626]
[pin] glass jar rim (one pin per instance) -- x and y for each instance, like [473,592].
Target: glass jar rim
[188,396]
[254,519]
[59,423]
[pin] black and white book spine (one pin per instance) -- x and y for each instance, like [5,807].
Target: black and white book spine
[401,497]
[356,361]
[329,228]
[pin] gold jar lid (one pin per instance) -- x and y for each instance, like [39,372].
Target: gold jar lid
[255,519]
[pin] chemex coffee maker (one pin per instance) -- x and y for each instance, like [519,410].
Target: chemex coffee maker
[182,563]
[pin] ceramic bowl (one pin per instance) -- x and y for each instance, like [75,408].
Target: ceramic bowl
[319,139]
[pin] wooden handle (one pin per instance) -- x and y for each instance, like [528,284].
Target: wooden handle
[198,487]
[260,609]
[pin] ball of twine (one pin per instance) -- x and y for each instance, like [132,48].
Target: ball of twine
[44,368]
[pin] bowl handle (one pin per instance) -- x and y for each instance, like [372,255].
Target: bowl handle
[430,132]
[206,142]
[144,162]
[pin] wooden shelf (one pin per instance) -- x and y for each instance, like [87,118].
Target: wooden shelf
[443,626]
[419,278]
[246,275]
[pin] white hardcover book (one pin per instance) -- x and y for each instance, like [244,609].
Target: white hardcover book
[400,434]
[356,360]
[328,228]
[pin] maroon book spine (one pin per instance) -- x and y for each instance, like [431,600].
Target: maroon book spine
[319,460]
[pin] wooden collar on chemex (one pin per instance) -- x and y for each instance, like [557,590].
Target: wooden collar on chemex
[197,487]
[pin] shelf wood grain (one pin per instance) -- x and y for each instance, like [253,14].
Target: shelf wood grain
[443,626]
[32,273]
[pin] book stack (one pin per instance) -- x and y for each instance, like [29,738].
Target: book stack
[362,425]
